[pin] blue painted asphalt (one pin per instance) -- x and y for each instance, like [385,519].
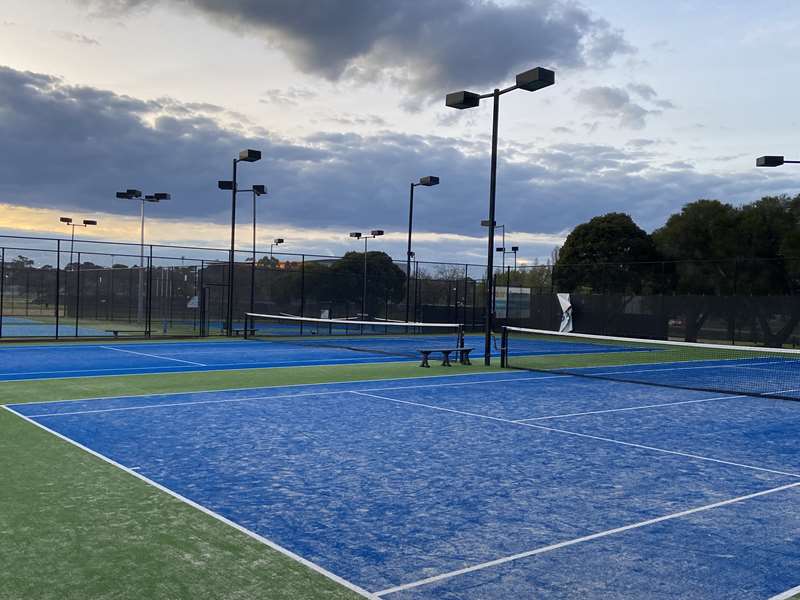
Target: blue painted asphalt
[388,483]
[84,360]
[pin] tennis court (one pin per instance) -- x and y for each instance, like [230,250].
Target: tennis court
[126,358]
[497,485]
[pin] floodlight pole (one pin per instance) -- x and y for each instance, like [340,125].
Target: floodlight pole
[428,181]
[531,81]
[408,248]
[232,257]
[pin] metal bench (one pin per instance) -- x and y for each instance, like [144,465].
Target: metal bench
[117,332]
[463,355]
[245,330]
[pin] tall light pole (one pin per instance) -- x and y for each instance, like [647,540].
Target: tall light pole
[372,235]
[244,156]
[427,181]
[531,81]
[132,194]
[257,190]
[69,223]
[515,249]
[275,242]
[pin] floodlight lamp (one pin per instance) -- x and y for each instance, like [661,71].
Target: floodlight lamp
[162,196]
[89,222]
[150,198]
[515,248]
[250,155]
[259,190]
[355,234]
[536,79]
[429,181]
[225,184]
[277,241]
[500,249]
[66,220]
[488,223]
[769,161]
[134,193]
[462,100]
[123,196]
[376,232]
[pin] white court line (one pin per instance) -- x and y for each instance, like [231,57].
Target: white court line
[787,594]
[613,410]
[252,398]
[292,385]
[215,367]
[580,540]
[672,368]
[180,360]
[585,435]
[267,542]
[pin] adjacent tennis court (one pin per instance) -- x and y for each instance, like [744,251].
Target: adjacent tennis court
[498,485]
[130,358]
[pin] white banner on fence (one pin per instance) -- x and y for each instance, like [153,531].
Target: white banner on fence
[566,313]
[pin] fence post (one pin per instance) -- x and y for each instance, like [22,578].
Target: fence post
[2,285]
[58,283]
[302,289]
[77,294]
[149,325]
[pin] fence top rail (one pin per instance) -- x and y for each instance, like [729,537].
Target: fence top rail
[209,249]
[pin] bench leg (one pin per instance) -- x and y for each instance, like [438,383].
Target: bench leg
[425,360]
[446,359]
[465,358]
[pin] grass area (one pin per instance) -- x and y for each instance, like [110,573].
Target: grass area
[74,527]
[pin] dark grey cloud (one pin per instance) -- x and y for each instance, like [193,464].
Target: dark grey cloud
[428,46]
[72,147]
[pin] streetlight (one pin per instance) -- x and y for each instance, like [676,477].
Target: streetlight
[275,242]
[531,81]
[68,222]
[428,181]
[515,249]
[132,194]
[244,156]
[773,161]
[257,190]
[372,235]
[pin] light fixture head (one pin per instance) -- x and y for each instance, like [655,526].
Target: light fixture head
[376,232]
[123,196]
[462,100]
[487,223]
[150,198]
[536,79]
[134,193]
[500,249]
[225,184]
[355,234]
[515,248]
[250,155]
[259,190]
[769,161]
[429,181]
[277,241]
[162,196]
[66,220]
[89,222]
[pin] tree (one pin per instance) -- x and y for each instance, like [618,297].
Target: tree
[385,280]
[608,254]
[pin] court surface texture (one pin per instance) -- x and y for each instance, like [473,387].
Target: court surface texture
[495,485]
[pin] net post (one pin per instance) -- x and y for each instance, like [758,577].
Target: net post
[460,343]
[504,348]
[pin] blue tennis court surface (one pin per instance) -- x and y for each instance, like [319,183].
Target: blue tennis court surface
[83,360]
[504,485]
[29,327]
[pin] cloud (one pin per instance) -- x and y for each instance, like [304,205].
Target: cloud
[76,38]
[288,97]
[615,102]
[71,147]
[427,46]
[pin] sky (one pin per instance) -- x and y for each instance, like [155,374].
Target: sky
[655,105]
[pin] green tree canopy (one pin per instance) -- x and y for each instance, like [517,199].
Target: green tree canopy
[608,254]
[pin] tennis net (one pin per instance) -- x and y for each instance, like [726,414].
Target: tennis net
[392,338]
[736,370]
